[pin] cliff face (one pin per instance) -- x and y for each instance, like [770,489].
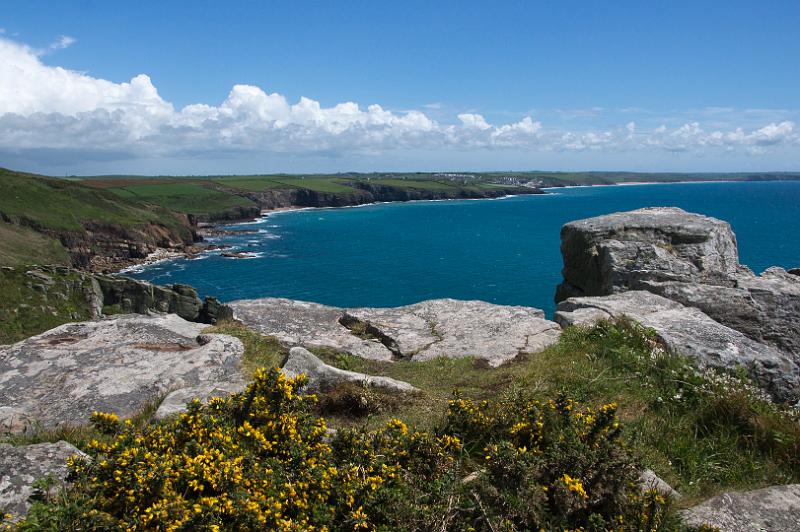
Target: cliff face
[104,246]
[366,192]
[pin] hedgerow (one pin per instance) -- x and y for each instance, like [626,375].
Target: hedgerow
[261,460]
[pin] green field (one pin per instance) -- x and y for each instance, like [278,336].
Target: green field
[317,184]
[190,198]
[415,183]
[250,183]
[63,205]
[262,183]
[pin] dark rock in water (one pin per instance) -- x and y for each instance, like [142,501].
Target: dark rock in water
[794,271]
[22,466]
[687,258]
[119,364]
[773,509]
[688,331]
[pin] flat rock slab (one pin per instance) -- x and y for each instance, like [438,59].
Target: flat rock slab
[322,377]
[302,323]
[118,365]
[21,466]
[690,332]
[773,509]
[430,329]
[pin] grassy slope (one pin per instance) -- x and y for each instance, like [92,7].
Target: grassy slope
[60,204]
[29,306]
[35,209]
[250,183]
[23,246]
[415,183]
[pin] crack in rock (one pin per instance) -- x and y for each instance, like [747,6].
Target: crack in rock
[365,330]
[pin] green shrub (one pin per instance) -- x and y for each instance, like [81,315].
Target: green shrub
[262,460]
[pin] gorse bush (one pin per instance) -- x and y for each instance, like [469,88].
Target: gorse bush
[262,460]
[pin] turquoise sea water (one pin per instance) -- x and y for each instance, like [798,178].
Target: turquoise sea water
[503,251]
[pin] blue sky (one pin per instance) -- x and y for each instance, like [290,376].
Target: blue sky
[577,85]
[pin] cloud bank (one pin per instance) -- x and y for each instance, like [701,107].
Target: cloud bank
[49,109]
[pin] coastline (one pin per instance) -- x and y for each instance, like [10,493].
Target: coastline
[206,230]
[199,251]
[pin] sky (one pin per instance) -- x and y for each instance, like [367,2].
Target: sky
[98,87]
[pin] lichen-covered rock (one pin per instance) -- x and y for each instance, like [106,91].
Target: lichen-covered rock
[302,323]
[21,466]
[456,329]
[430,329]
[175,402]
[773,509]
[765,308]
[690,332]
[322,377]
[117,364]
[616,252]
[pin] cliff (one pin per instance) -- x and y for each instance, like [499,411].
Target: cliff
[94,229]
[364,192]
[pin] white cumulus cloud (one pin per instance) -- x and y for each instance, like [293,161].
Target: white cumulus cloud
[45,107]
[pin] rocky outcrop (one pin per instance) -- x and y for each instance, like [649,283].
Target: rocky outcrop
[691,260]
[118,364]
[43,297]
[766,308]
[22,466]
[617,252]
[430,329]
[688,331]
[105,247]
[126,295]
[322,377]
[773,509]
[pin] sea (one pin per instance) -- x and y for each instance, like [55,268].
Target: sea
[504,251]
